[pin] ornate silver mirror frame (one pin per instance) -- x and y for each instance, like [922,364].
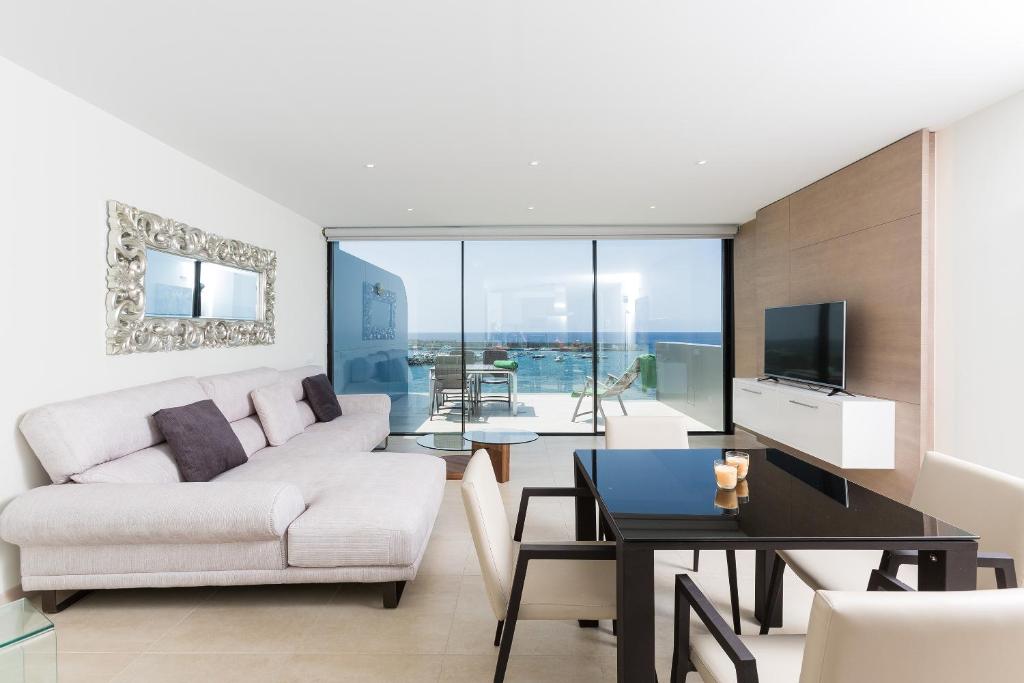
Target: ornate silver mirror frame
[131,232]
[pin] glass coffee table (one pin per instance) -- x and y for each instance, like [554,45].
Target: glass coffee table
[496,442]
[452,442]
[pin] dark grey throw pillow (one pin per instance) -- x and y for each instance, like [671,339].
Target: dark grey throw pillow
[321,397]
[201,440]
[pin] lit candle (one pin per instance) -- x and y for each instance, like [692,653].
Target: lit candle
[739,460]
[725,475]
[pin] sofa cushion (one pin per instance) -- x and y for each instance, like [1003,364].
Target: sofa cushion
[232,391]
[293,378]
[278,413]
[153,465]
[201,440]
[321,397]
[72,436]
[363,509]
[250,432]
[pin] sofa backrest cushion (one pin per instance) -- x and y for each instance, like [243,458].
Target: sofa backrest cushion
[232,391]
[278,413]
[250,432]
[72,436]
[153,465]
[293,378]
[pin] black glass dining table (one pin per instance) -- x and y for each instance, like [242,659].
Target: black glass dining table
[652,500]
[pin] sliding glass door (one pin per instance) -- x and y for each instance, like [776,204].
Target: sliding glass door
[530,303]
[396,328]
[659,333]
[545,335]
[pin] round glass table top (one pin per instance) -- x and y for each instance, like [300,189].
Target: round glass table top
[444,442]
[500,436]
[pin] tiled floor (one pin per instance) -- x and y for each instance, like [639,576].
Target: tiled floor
[442,630]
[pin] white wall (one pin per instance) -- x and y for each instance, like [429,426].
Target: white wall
[979,288]
[61,159]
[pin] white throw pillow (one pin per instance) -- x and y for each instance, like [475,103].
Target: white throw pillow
[278,412]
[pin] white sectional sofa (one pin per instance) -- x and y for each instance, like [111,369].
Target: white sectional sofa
[319,508]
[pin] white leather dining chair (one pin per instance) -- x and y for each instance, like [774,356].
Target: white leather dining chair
[663,432]
[968,496]
[571,580]
[852,637]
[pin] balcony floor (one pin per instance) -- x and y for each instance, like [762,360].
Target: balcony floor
[542,413]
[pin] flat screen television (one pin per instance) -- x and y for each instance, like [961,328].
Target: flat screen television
[806,343]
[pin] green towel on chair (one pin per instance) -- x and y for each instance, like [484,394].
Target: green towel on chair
[507,365]
[648,371]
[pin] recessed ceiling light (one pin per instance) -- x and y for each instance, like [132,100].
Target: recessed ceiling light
[529,208]
[652,206]
[702,162]
[409,209]
[369,164]
[534,163]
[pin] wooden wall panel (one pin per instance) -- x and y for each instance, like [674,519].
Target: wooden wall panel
[860,235]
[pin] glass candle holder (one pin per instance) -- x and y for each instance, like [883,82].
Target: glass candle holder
[743,492]
[726,475]
[740,460]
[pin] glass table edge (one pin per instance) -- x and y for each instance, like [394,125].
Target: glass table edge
[782,543]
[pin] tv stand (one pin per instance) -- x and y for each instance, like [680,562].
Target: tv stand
[768,379]
[839,391]
[852,432]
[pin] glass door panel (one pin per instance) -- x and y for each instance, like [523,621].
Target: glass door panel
[659,313]
[396,329]
[530,303]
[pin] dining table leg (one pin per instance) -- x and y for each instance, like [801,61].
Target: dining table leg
[764,559]
[586,524]
[634,587]
[948,570]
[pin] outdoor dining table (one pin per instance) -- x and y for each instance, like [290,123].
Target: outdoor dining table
[653,500]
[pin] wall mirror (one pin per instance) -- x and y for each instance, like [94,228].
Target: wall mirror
[171,286]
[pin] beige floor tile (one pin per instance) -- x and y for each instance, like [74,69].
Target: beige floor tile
[191,667]
[124,620]
[389,668]
[529,669]
[91,667]
[249,619]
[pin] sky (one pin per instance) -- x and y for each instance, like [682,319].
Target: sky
[547,285]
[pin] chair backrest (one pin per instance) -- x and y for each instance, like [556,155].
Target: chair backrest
[886,637]
[976,499]
[492,535]
[448,367]
[643,431]
[470,356]
[491,355]
[625,380]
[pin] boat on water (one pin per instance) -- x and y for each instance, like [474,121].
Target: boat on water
[586,356]
[559,359]
[538,355]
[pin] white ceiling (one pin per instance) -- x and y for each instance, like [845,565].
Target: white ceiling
[452,99]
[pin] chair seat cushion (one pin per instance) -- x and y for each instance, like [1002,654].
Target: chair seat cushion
[363,509]
[569,589]
[839,570]
[779,657]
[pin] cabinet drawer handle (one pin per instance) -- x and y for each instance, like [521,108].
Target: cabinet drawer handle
[750,391]
[805,405]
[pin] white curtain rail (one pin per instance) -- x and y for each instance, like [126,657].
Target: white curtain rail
[532,232]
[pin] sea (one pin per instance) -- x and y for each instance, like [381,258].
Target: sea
[554,362]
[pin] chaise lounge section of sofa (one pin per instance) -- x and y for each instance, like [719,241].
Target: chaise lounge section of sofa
[320,508]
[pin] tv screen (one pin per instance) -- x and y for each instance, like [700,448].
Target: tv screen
[806,343]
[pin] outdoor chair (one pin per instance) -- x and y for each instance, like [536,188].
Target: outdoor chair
[612,389]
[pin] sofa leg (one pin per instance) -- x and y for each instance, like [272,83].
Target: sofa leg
[52,606]
[393,593]
[383,445]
